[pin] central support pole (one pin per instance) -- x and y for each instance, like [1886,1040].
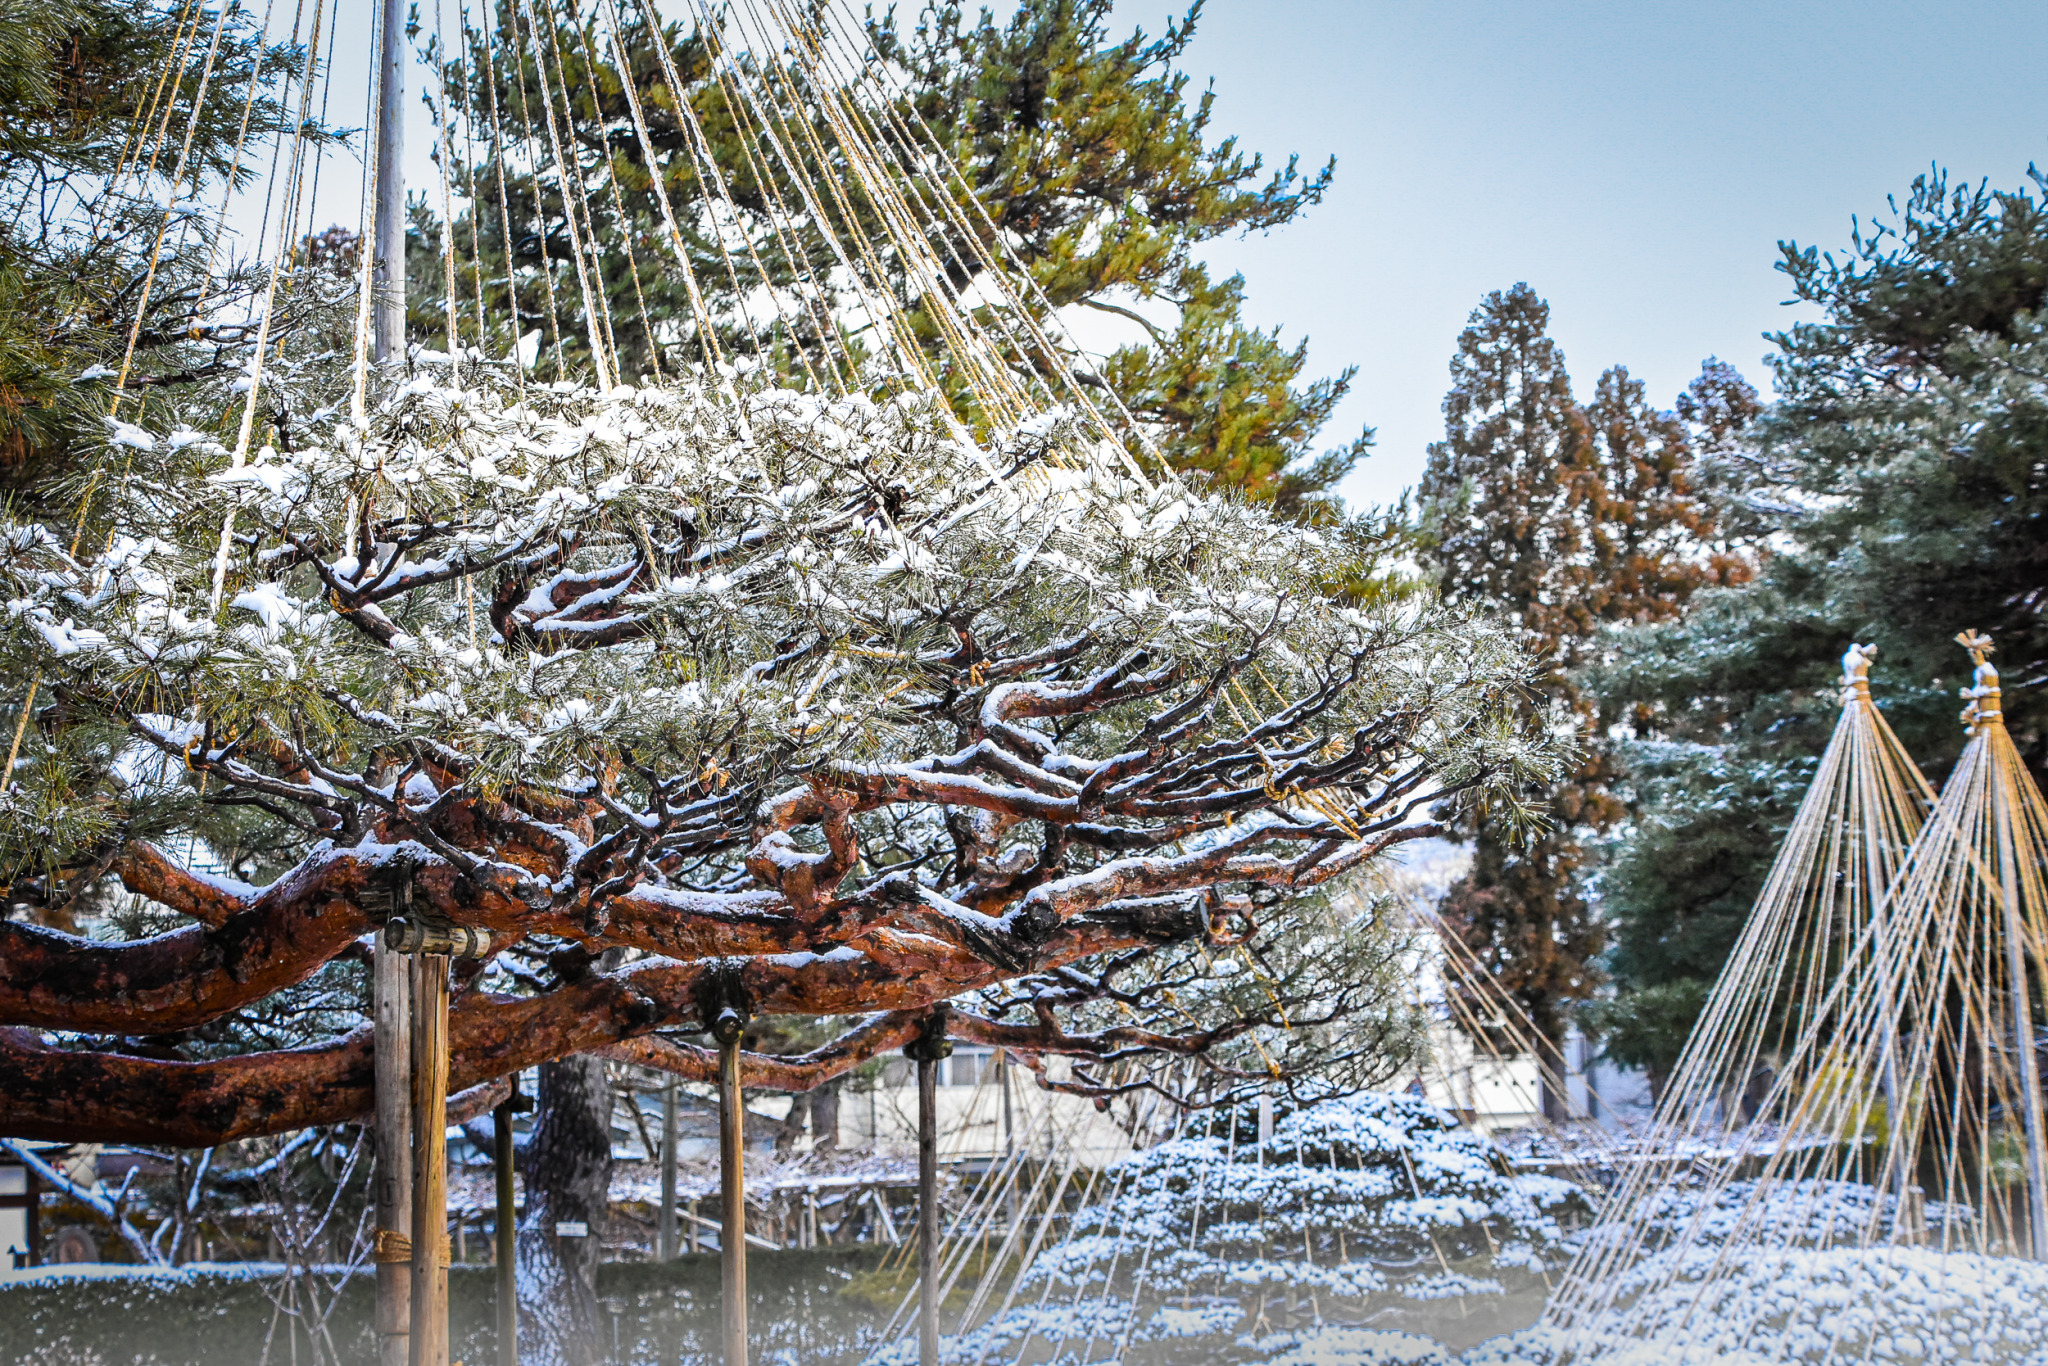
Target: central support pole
[927,1211]
[2002,816]
[430,1161]
[667,1222]
[727,1028]
[732,1190]
[387,276]
[1984,716]
[502,1158]
[925,1050]
[391,1015]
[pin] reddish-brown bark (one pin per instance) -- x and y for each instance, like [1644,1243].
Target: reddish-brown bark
[61,1094]
[777,1072]
[757,898]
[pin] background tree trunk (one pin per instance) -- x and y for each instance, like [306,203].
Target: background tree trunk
[825,1118]
[568,1170]
[794,1123]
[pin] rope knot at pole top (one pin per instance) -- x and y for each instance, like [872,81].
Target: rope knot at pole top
[931,1043]
[1981,700]
[1856,661]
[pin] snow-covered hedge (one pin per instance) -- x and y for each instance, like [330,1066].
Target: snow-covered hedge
[1882,1306]
[1216,1247]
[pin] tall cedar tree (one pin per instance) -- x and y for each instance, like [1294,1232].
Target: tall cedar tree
[1563,518]
[1900,479]
[1085,152]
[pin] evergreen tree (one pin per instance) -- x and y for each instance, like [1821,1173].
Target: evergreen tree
[1564,519]
[1088,158]
[98,99]
[1900,480]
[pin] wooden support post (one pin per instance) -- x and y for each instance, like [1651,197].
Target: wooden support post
[430,1160]
[391,1013]
[503,1156]
[927,1211]
[1009,1118]
[667,1222]
[1009,1137]
[732,1189]
[925,1050]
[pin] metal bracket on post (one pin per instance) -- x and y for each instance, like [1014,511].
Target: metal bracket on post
[411,935]
[930,1045]
[725,1010]
[410,929]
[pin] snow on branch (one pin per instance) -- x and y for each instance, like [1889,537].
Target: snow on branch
[788,694]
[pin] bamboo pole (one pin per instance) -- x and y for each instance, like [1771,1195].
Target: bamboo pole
[502,1158]
[429,1337]
[2003,816]
[732,1188]
[391,1011]
[391,991]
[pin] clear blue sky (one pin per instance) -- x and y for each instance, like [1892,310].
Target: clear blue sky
[1636,163]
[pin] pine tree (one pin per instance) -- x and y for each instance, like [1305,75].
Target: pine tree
[781,695]
[1898,482]
[84,170]
[1085,153]
[1564,519]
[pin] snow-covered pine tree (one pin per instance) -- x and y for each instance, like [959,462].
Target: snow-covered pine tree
[811,707]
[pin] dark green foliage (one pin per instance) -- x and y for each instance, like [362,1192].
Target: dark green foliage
[1902,476]
[1647,1027]
[1679,893]
[78,79]
[1916,411]
[1086,153]
[1092,159]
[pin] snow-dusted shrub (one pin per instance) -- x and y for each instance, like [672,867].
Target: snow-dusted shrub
[1334,1346]
[1349,1197]
[1362,1209]
[1804,1213]
[1883,1306]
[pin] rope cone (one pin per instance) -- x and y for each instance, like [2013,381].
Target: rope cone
[1795,1064]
